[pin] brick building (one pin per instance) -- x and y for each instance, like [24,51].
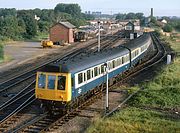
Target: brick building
[132,29]
[62,32]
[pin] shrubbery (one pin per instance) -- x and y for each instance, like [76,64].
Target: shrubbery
[167,28]
[27,24]
[1,52]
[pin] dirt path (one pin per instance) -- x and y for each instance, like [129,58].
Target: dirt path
[20,52]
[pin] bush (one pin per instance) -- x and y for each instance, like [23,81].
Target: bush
[167,28]
[1,52]
[157,33]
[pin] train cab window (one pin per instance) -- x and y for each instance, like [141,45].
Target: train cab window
[80,78]
[102,68]
[88,74]
[62,83]
[95,71]
[41,81]
[51,82]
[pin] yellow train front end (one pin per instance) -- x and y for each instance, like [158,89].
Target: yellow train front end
[53,87]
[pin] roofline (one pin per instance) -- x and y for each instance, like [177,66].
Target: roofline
[62,25]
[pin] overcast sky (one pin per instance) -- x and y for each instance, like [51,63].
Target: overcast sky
[161,7]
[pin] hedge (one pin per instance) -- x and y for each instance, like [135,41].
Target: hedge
[1,52]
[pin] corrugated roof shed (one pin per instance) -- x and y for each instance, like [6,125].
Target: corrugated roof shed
[68,25]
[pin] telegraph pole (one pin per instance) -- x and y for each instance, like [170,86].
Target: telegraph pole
[99,36]
[107,87]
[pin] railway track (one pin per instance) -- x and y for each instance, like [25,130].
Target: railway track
[40,60]
[19,101]
[6,86]
[43,125]
[48,123]
[157,58]
[21,77]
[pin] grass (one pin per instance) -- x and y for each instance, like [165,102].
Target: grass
[40,36]
[162,93]
[135,120]
[4,57]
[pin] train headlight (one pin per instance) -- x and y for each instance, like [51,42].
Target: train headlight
[61,97]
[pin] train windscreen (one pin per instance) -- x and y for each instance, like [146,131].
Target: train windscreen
[41,81]
[61,83]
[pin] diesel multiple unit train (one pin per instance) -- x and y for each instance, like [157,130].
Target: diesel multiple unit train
[60,84]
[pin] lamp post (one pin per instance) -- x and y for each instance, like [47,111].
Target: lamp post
[107,87]
[99,36]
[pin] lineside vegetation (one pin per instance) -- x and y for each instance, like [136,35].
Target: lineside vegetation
[154,109]
[1,52]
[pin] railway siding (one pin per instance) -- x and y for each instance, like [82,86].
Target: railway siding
[18,110]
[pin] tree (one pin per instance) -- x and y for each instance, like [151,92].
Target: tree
[139,15]
[43,26]
[153,20]
[88,16]
[131,16]
[120,16]
[30,22]
[177,27]
[8,12]
[48,15]
[10,27]
[73,9]
[77,22]
[1,52]
[167,28]
[61,16]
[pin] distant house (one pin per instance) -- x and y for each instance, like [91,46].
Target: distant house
[62,32]
[163,21]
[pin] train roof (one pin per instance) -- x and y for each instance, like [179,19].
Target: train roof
[138,42]
[85,61]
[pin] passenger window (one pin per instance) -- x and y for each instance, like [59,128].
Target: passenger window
[119,61]
[88,74]
[99,70]
[80,78]
[95,71]
[41,81]
[92,73]
[128,58]
[109,65]
[62,82]
[84,76]
[122,60]
[113,64]
[102,68]
[51,82]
